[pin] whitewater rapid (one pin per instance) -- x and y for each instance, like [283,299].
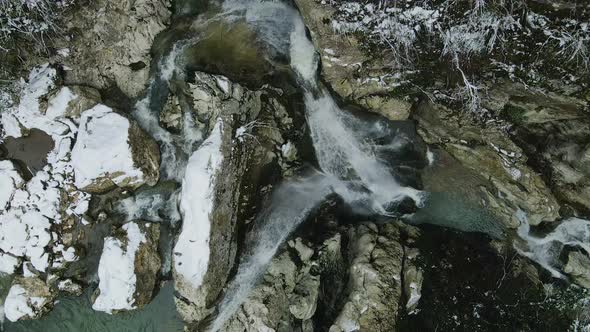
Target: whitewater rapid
[345,161]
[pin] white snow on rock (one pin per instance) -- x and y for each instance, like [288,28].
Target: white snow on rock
[27,210]
[116,271]
[20,304]
[191,253]
[16,304]
[10,180]
[8,263]
[28,113]
[102,149]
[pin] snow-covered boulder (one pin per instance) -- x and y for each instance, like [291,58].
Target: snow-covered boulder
[222,183]
[112,151]
[28,298]
[26,234]
[128,268]
[10,180]
[191,252]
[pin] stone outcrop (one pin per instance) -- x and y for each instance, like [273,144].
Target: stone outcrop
[111,42]
[251,134]
[28,298]
[578,267]
[553,131]
[113,151]
[378,266]
[358,78]
[508,182]
[286,298]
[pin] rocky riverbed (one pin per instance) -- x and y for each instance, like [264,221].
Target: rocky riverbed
[298,166]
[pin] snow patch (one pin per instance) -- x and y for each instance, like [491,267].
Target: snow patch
[191,252]
[116,271]
[102,149]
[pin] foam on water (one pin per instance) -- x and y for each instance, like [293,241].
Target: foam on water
[172,163]
[547,249]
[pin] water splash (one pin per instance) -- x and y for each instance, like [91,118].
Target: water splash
[546,250]
[289,205]
[344,156]
[173,160]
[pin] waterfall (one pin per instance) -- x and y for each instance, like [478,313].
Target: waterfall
[289,205]
[147,115]
[349,167]
[546,250]
[343,156]
[340,153]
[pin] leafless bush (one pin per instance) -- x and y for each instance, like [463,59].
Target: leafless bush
[33,19]
[574,46]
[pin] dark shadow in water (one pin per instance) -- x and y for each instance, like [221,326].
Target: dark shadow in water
[470,287]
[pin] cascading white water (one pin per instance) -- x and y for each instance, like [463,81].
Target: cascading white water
[545,250]
[172,165]
[344,159]
[289,205]
[342,155]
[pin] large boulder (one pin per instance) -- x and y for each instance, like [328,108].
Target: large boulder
[28,298]
[112,151]
[128,268]
[221,183]
[112,41]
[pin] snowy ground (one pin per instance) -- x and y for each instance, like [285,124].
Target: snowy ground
[33,212]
